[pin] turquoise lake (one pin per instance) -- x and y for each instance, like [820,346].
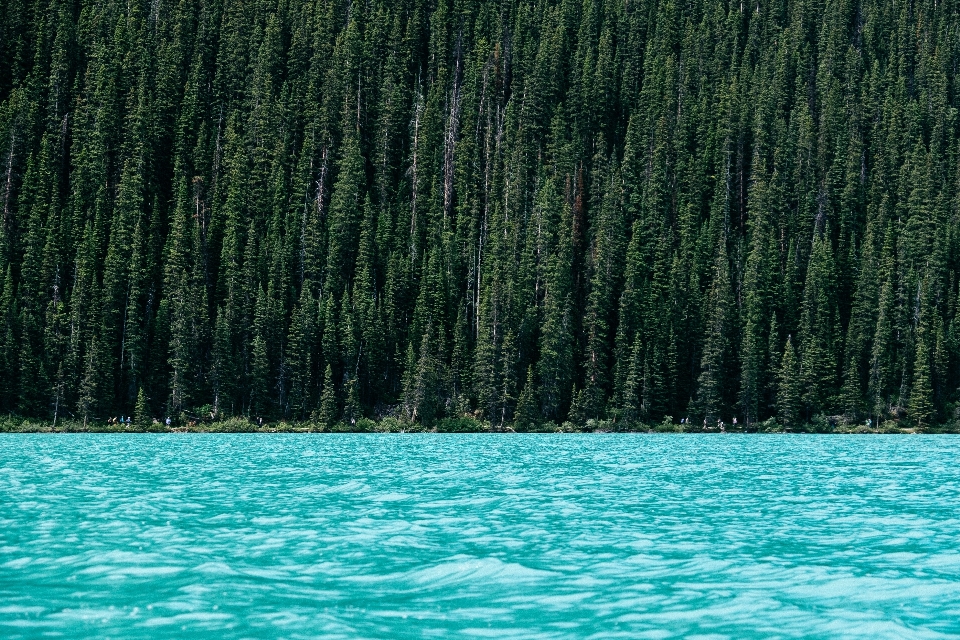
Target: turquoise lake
[519,536]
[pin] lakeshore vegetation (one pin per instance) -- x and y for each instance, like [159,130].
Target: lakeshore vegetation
[519,212]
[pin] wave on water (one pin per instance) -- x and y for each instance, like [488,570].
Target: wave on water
[553,536]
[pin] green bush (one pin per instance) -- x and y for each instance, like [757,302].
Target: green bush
[542,427]
[365,425]
[390,424]
[602,426]
[770,425]
[464,424]
[668,427]
[820,424]
[230,425]
[889,426]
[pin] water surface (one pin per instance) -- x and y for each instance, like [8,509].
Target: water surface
[538,536]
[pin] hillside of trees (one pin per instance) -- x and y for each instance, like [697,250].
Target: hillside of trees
[528,211]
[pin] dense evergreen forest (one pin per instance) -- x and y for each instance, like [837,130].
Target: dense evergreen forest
[528,211]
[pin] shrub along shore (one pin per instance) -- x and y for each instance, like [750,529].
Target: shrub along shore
[15,424]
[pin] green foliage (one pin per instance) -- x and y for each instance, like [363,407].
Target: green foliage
[461,425]
[141,413]
[530,213]
[327,415]
[231,425]
[790,390]
[527,415]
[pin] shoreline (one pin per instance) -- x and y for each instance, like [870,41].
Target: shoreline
[26,425]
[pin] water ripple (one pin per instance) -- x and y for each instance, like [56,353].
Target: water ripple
[412,536]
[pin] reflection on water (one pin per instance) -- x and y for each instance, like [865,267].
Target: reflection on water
[538,536]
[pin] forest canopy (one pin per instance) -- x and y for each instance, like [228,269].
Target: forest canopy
[528,211]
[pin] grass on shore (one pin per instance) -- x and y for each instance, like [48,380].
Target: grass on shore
[466,424]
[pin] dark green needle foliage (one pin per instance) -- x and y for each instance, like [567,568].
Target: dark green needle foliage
[522,211]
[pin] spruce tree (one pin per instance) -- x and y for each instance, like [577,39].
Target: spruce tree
[141,412]
[921,393]
[713,365]
[527,410]
[327,414]
[214,203]
[818,326]
[789,387]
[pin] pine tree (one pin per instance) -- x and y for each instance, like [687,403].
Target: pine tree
[299,360]
[882,357]
[327,415]
[214,203]
[555,366]
[817,327]
[259,402]
[141,412]
[599,320]
[921,394]
[9,357]
[422,390]
[710,392]
[790,386]
[345,216]
[527,411]
[186,302]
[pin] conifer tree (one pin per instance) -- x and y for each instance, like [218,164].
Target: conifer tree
[789,392]
[817,326]
[141,412]
[216,203]
[299,360]
[710,396]
[921,394]
[328,413]
[527,410]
